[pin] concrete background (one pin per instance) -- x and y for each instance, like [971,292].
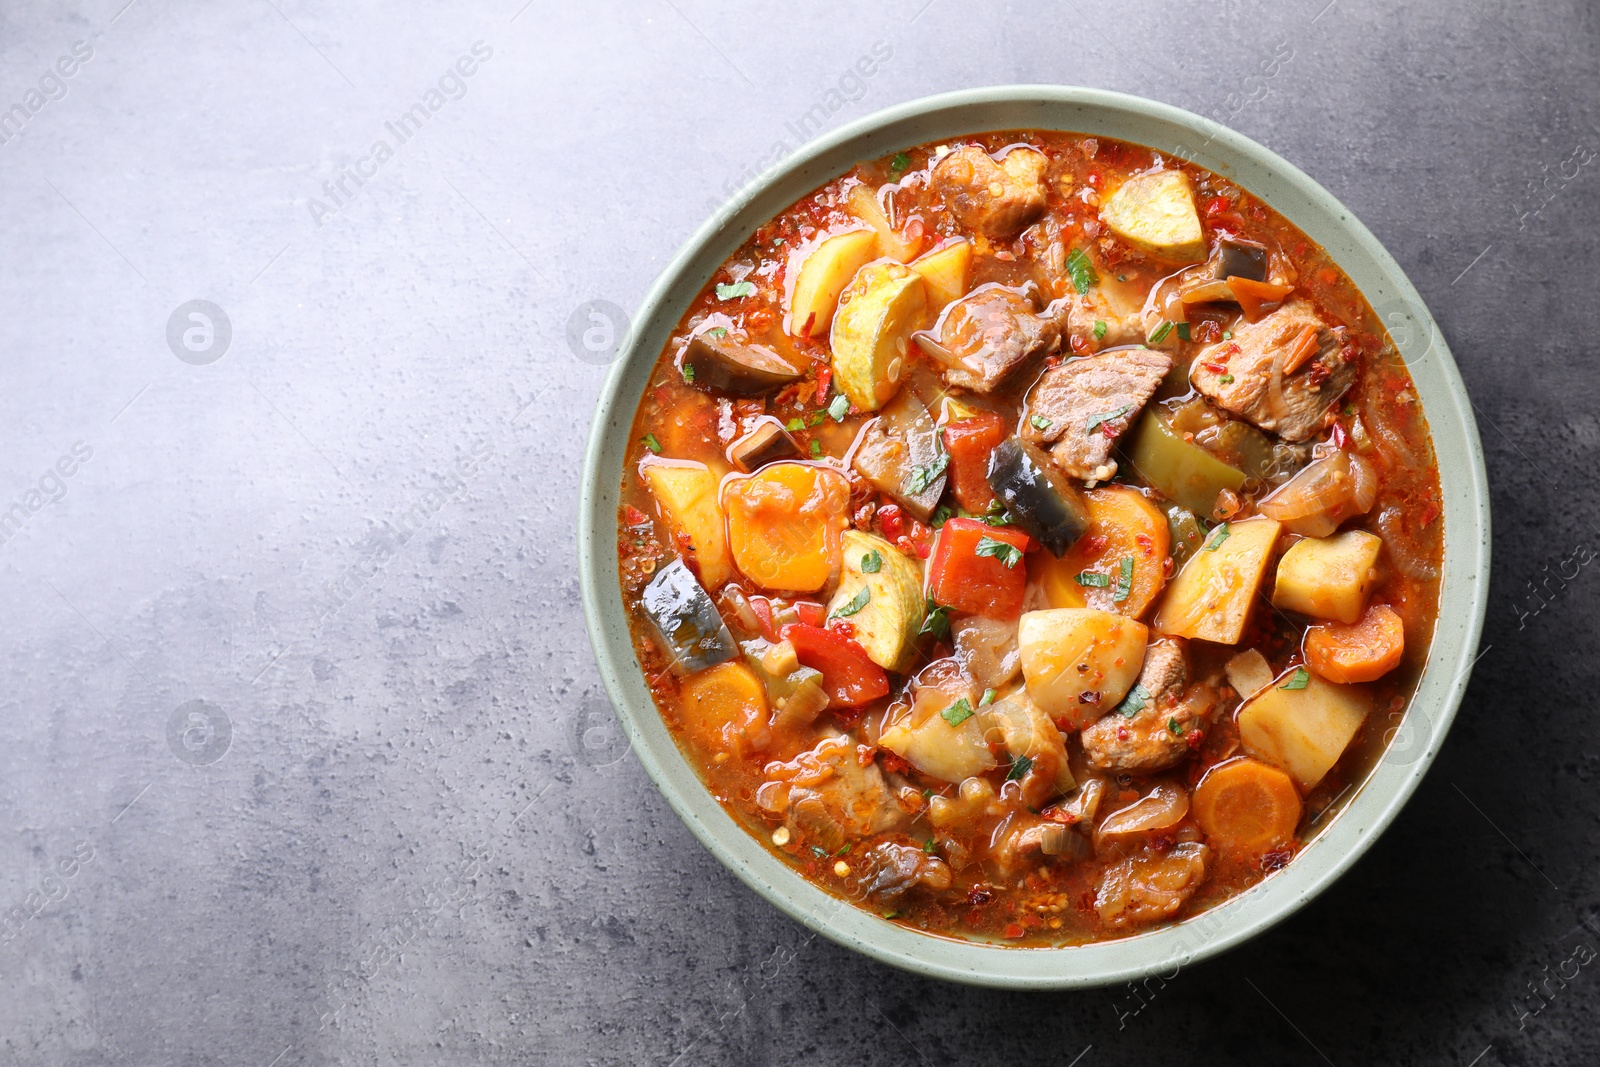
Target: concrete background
[303,757]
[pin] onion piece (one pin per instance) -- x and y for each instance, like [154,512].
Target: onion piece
[1160,809]
[1328,491]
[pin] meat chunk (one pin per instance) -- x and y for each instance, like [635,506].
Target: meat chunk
[1156,736]
[989,337]
[1264,373]
[826,797]
[894,870]
[1150,886]
[1084,404]
[1090,311]
[997,198]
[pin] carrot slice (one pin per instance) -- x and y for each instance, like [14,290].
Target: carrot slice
[1361,651]
[1246,806]
[724,708]
[1257,298]
[1305,346]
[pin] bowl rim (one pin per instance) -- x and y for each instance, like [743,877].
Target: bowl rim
[1375,802]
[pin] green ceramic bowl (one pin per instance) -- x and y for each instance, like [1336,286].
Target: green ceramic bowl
[1342,836]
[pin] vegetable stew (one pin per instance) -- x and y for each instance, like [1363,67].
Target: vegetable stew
[1031,537]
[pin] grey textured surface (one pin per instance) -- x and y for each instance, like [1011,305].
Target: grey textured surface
[401,827]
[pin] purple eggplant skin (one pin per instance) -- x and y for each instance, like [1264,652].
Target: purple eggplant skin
[1238,258]
[687,625]
[735,367]
[1040,500]
[768,443]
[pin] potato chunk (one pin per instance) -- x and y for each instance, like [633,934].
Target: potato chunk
[887,621]
[1303,731]
[1155,213]
[883,303]
[687,494]
[945,271]
[1329,577]
[822,276]
[941,735]
[1027,732]
[1079,663]
[1210,598]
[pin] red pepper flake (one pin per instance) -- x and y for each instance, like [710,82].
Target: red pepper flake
[824,379]
[891,520]
[1429,513]
[864,755]
[634,516]
[1094,544]
[1014,930]
[1196,739]
[805,328]
[844,627]
[1080,344]
[1217,205]
[1214,367]
[1339,436]
[893,763]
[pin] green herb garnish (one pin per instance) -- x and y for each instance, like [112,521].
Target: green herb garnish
[996,515]
[924,475]
[957,713]
[719,332]
[1093,579]
[736,290]
[931,848]
[1183,331]
[1004,551]
[816,418]
[1019,767]
[1160,332]
[899,164]
[1039,423]
[1097,421]
[839,408]
[816,447]
[795,425]
[1099,329]
[988,698]
[651,443]
[1227,335]
[1124,581]
[1226,379]
[1219,535]
[1174,726]
[857,602]
[1083,276]
[1134,702]
[935,621]
[940,516]
[1298,680]
[872,562]
[688,373]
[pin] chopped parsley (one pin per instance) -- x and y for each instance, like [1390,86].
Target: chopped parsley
[957,713]
[1219,535]
[839,408]
[1226,379]
[816,418]
[688,373]
[1298,680]
[1175,727]
[1183,331]
[872,562]
[736,290]
[1093,579]
[816,447]
[1159,334]
[899,164]
[1124,581]
[1019,767]
[1227,335]
[941,515]
[1097,421]
[988,698]
[1134,702]
[1099,329]
[719,332]
[857,602]
[1083,276]
[1039,423]
[931,848]
[1004,551]
[651,443]
[795,424]
[936,620]
[925,474]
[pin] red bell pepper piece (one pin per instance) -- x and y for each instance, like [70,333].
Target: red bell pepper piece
[811,613]
[969,443]
[850,678]
[961,579]
[763,609]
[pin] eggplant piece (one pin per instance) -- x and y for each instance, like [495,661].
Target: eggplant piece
[1237,258]
[900,455]
[1043,504]
[687,625]
[768,443]
[736,367]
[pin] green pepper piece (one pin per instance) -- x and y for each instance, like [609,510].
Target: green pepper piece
[1177,469]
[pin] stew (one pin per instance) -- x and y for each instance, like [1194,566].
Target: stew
[1031,537]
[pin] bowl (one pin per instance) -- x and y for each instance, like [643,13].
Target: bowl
[1341,837]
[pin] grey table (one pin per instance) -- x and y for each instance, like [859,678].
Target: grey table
[303,755]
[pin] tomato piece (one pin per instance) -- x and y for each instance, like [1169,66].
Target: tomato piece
[763,609]
[969,443]
[850,678]
[962,579]
[810,612]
